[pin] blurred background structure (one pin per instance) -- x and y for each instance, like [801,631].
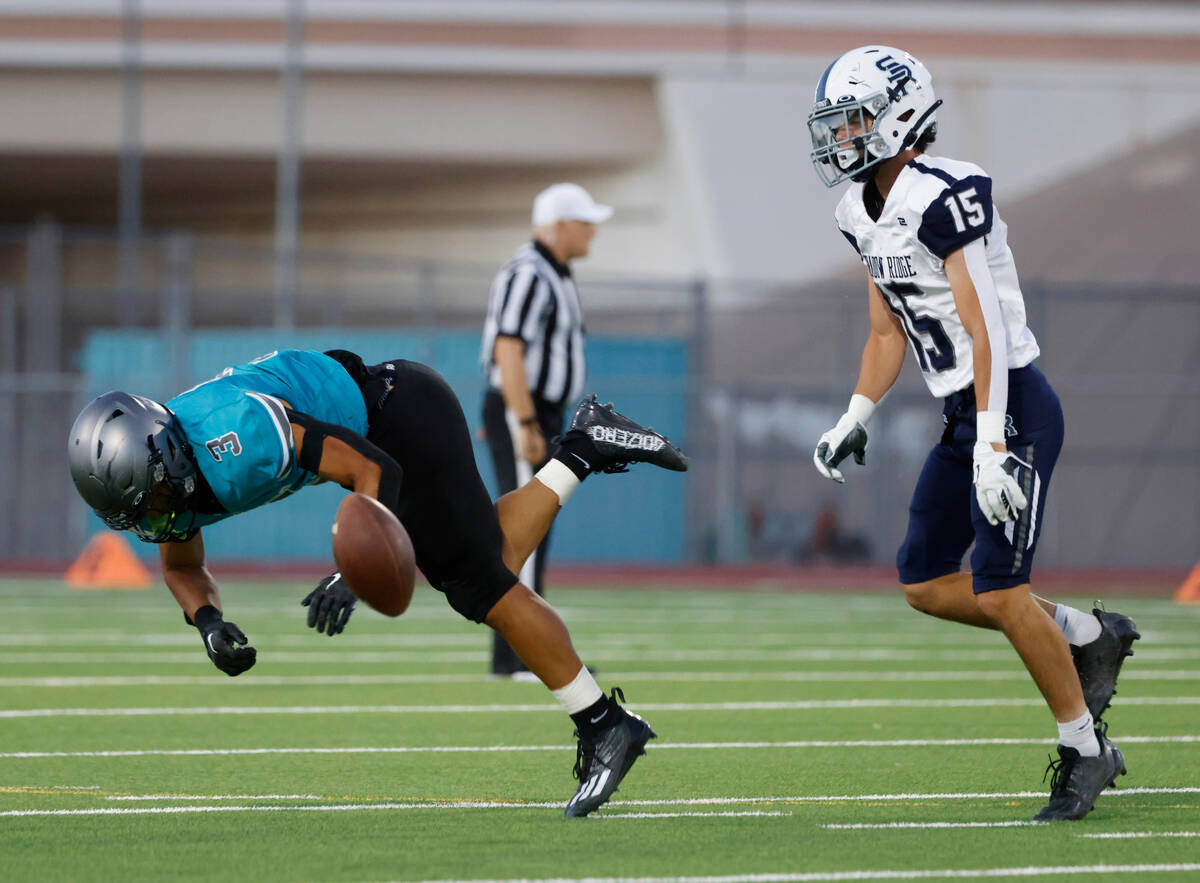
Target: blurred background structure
[188,184]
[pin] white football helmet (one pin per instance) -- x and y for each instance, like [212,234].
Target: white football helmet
[870,104]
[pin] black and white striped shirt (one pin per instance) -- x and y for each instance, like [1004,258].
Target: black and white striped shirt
[534,298]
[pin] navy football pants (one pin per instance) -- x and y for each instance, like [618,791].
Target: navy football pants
[944,517]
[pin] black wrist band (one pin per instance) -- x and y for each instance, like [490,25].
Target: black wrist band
[205,617]
[529,421]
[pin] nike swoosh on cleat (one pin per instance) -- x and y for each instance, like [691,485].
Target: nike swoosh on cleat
[588,465]
[602,716]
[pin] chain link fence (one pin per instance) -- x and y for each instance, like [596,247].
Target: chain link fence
[771,367]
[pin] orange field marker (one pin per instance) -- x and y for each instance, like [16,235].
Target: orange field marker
[1189,592]
[107,562]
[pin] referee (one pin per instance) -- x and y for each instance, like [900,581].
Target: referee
[532,354]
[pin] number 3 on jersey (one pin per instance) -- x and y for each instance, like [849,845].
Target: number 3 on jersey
[229,443]
[939,357]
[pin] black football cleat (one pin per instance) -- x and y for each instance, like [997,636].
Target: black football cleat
[1078,781]
[602,762]
[1099,662]
[619,441]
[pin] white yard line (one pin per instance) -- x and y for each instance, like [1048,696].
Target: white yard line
[155,640]
[887,825]
[873,798]
[796,705]
[868,637]
[214,797]
[501,804]
[331,656]
[657,746]
[1017,675]
[1137,835]
[488,804]
[341,807]
[313,658]
[835,876]
[263,680]
[686,815]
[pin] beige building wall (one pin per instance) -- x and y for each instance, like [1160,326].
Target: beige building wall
[427,128]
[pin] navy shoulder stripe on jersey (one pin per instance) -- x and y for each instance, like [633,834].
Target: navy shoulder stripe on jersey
[930,170]
[852,240]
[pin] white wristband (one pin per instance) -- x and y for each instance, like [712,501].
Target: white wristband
[860,408]
[558,478]
[989,427]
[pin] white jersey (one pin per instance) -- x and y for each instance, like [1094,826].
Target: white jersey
[936,207]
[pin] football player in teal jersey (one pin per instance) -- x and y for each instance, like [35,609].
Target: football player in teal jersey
[261,431]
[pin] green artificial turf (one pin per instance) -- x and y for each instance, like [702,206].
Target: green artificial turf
[755,697]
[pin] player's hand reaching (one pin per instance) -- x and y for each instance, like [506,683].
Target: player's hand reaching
[224,642]
[847,437]
[330,605]
[996,488]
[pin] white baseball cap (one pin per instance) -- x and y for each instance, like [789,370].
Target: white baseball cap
[567,202]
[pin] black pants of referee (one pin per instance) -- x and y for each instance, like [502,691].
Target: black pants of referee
[512,472]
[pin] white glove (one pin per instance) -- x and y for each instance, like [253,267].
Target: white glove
[848,437]
[996,490]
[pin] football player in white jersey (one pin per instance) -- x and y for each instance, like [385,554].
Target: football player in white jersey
[941,279]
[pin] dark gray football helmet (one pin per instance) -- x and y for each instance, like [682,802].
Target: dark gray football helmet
[132,463]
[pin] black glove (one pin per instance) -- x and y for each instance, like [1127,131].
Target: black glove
[220,641]
[330,605]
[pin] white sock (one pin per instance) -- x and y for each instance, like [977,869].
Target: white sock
[1079,627]
[581,692]
[559,479]
[1079,734]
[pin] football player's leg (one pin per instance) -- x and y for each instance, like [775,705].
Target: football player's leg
[462,551]
[939,534]
[454,528]
[953,597]
[599,440]
[1099,641]
[1003,558]
[1041,646]
[525,516]
[1001,565]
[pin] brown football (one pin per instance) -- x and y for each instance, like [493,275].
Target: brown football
[374,554]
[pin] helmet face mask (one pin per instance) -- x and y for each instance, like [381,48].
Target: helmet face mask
[870,104]
[159,514]
[132,463]
[845,143]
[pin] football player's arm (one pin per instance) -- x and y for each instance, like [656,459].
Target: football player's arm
[997,491]
[883,355]
[340,455]
[196,591]
[978,306]
[882,358]
[187,577]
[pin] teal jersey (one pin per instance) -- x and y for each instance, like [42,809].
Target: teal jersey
[239,431]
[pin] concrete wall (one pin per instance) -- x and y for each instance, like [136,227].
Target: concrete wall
[428,126]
